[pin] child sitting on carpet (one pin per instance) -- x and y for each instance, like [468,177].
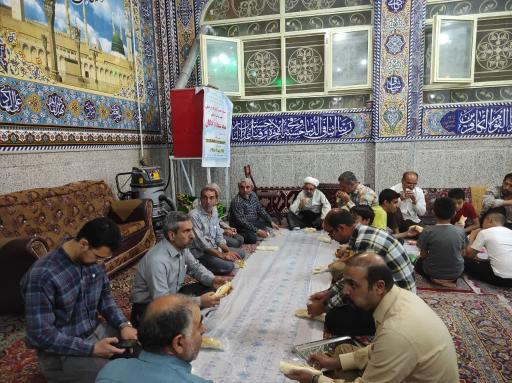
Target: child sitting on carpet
[442,246]
[465,214]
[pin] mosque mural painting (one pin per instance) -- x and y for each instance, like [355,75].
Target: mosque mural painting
[78,63]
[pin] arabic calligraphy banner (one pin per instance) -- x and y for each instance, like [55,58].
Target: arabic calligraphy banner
[477,121]
[294,127]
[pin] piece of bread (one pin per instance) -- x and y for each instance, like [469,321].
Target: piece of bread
[324,238]
[267,248]
[309,230]
[462,220]
[418,228]
[287,367]
[212,343]
[240,263]
[224,290]
[320,269]
[303,313]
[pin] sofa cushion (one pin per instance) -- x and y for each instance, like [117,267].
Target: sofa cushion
[131,227]
[53,213]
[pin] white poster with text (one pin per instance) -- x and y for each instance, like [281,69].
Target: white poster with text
[217,116]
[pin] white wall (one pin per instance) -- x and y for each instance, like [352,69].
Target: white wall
[22,171]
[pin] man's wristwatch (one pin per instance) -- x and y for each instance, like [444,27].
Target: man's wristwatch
[125,324]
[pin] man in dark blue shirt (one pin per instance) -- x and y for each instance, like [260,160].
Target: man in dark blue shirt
[248,216]
[64,292]
[170,334]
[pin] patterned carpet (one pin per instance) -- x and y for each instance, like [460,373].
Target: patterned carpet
[479,323]
[485,288]
[482,332]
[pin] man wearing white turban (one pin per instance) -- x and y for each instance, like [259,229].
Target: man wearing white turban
[310,207]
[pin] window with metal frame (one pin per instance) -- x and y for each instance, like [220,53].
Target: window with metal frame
[294,55]
[468,51]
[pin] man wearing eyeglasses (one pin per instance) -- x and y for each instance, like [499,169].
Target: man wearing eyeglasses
[64,292]
[310,207]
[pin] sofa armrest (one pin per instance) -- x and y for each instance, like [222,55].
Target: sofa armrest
[16,257]
[131,210]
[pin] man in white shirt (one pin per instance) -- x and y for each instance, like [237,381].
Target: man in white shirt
[310,207]
[497,242]
[502,201]
[412,200]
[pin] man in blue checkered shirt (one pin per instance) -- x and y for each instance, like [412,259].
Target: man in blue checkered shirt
[247,215]
[64,292]
[343,318]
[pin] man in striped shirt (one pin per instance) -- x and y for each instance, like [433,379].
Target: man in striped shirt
[343,318]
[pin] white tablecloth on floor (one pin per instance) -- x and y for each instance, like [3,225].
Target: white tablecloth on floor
[256,322]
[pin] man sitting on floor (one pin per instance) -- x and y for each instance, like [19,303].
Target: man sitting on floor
[231,236]
[412,200]
[170,334]
[442,246]
[310,207]
[497,242]
[248,216]
[162,270]
[412,344]
[504,202]
[353,192]
[64,292]
[342,317]
[209,245]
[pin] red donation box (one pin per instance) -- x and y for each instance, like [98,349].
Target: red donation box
[187,123]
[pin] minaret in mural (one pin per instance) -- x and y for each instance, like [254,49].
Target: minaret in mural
[68,18]
[128,29]
[18,10]
[86,27]
[117,42]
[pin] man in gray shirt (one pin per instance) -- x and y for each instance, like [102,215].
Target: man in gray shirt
[162,270]
[209,245]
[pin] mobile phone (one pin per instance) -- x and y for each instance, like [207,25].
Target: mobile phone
[126,343]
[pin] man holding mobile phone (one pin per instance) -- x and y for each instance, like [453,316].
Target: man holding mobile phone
[64,292]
